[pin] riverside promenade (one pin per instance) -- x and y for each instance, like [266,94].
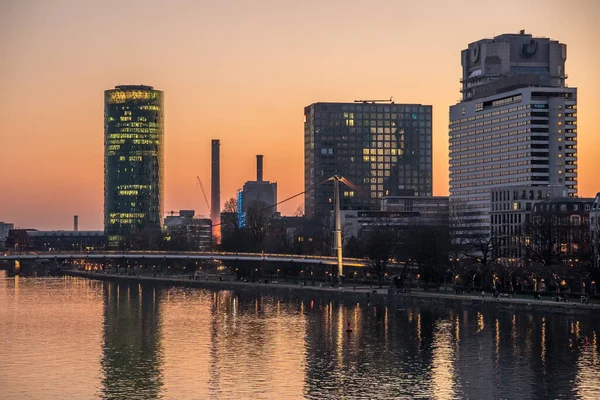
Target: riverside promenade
[355,293]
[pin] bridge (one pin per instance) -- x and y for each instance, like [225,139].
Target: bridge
[192,255]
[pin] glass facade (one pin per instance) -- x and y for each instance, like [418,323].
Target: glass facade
[384,149]
[133,160]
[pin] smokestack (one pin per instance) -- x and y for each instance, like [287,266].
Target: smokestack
[259,168]
[76,223]
[215,186]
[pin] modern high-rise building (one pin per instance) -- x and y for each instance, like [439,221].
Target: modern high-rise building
[382,148]
[515,126]
[133,160]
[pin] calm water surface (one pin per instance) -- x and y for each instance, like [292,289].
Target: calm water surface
[70,338]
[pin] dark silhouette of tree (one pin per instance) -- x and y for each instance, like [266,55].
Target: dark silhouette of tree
[258,219]
[233,238]
[354,248]
[543,237]
[380,242]
[428,248]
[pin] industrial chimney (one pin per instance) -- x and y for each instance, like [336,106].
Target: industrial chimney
[215,187]
[76,223]
[259,168]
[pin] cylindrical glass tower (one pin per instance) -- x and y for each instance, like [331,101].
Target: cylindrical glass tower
[133,161]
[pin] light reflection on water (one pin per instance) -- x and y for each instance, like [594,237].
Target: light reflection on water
[75,338]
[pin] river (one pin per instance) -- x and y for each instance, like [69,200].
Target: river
[74,338]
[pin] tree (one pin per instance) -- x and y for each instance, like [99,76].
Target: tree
[232,237]
[379,247]
[543,233]
[354,248]
[427,246]
[258,218]
[559,248]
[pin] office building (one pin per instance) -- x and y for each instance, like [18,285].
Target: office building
[515,126]
[133,161]
[381,147]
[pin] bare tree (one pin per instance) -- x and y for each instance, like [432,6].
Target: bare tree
[299,211]
[258,218]
[379,247]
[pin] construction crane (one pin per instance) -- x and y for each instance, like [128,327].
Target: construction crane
[204,194]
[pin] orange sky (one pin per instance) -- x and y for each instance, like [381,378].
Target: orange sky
[241,71]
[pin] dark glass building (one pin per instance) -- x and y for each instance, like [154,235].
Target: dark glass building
[133,160]
[383,148]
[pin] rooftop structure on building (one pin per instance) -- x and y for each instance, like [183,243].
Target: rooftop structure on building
[511,61]
[383,148]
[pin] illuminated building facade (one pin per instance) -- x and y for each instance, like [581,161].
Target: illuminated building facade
[133,160]
[515,126]
[383,148]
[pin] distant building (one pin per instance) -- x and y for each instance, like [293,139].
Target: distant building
[562,227]
[515,126]
[434,208]
[260,193]
[595,230]
[397,212]
[285,234]
[133,160]
[511,208]
[195,232]
[4,229]
[34,240]
[382,148]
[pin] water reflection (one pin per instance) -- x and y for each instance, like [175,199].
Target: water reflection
[132,354]
[151,342]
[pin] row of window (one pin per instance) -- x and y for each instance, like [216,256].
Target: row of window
[495,151]
[490,122]
[454,177]
[490,114]
[460,149]
[488,166]
[493,182]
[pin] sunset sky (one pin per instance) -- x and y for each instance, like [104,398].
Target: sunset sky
[242,71]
